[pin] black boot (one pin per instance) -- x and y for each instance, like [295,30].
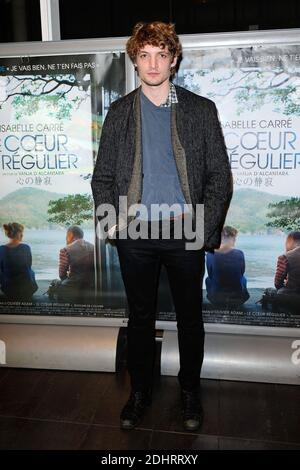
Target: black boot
[134,409]
[191,410]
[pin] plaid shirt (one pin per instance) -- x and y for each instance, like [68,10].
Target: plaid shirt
[172,97]
[281,271]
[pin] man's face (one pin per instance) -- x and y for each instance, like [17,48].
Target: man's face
[154,65]
[289,244]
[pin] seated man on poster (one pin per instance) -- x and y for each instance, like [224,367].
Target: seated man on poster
[76,268]
[161,146]
[226,284]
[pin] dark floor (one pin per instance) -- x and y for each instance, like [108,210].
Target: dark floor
[47,409]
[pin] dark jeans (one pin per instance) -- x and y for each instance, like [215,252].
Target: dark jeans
[140,262]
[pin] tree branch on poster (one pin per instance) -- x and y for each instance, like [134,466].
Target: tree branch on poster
[286,214]
[71,210]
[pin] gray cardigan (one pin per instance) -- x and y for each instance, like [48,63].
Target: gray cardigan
[199,151]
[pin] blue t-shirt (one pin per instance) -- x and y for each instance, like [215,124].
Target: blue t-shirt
[160,176]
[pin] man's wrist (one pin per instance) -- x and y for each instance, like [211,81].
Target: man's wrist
[111,232]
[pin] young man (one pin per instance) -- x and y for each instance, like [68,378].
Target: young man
[162,144]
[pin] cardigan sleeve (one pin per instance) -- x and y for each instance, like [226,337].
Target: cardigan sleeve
[218,184]
[104,172]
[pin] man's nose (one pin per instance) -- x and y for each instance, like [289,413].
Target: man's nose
[153,62]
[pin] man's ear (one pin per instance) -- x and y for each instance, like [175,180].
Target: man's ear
[174,62]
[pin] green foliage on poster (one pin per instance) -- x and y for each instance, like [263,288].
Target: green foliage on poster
[71,210]
[285,214]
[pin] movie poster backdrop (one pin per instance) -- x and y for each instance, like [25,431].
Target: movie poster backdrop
[52,110]
[51,114]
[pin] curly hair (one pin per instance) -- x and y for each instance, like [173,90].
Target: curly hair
[12,229]
[155,33]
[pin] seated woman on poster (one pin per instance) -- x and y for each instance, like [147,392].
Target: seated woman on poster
[17,279]
[226,284]
[287,277]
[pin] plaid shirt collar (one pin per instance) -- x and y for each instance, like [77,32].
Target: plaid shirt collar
[172,97]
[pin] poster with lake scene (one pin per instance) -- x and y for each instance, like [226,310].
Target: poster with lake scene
[257,93]
[51,114]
